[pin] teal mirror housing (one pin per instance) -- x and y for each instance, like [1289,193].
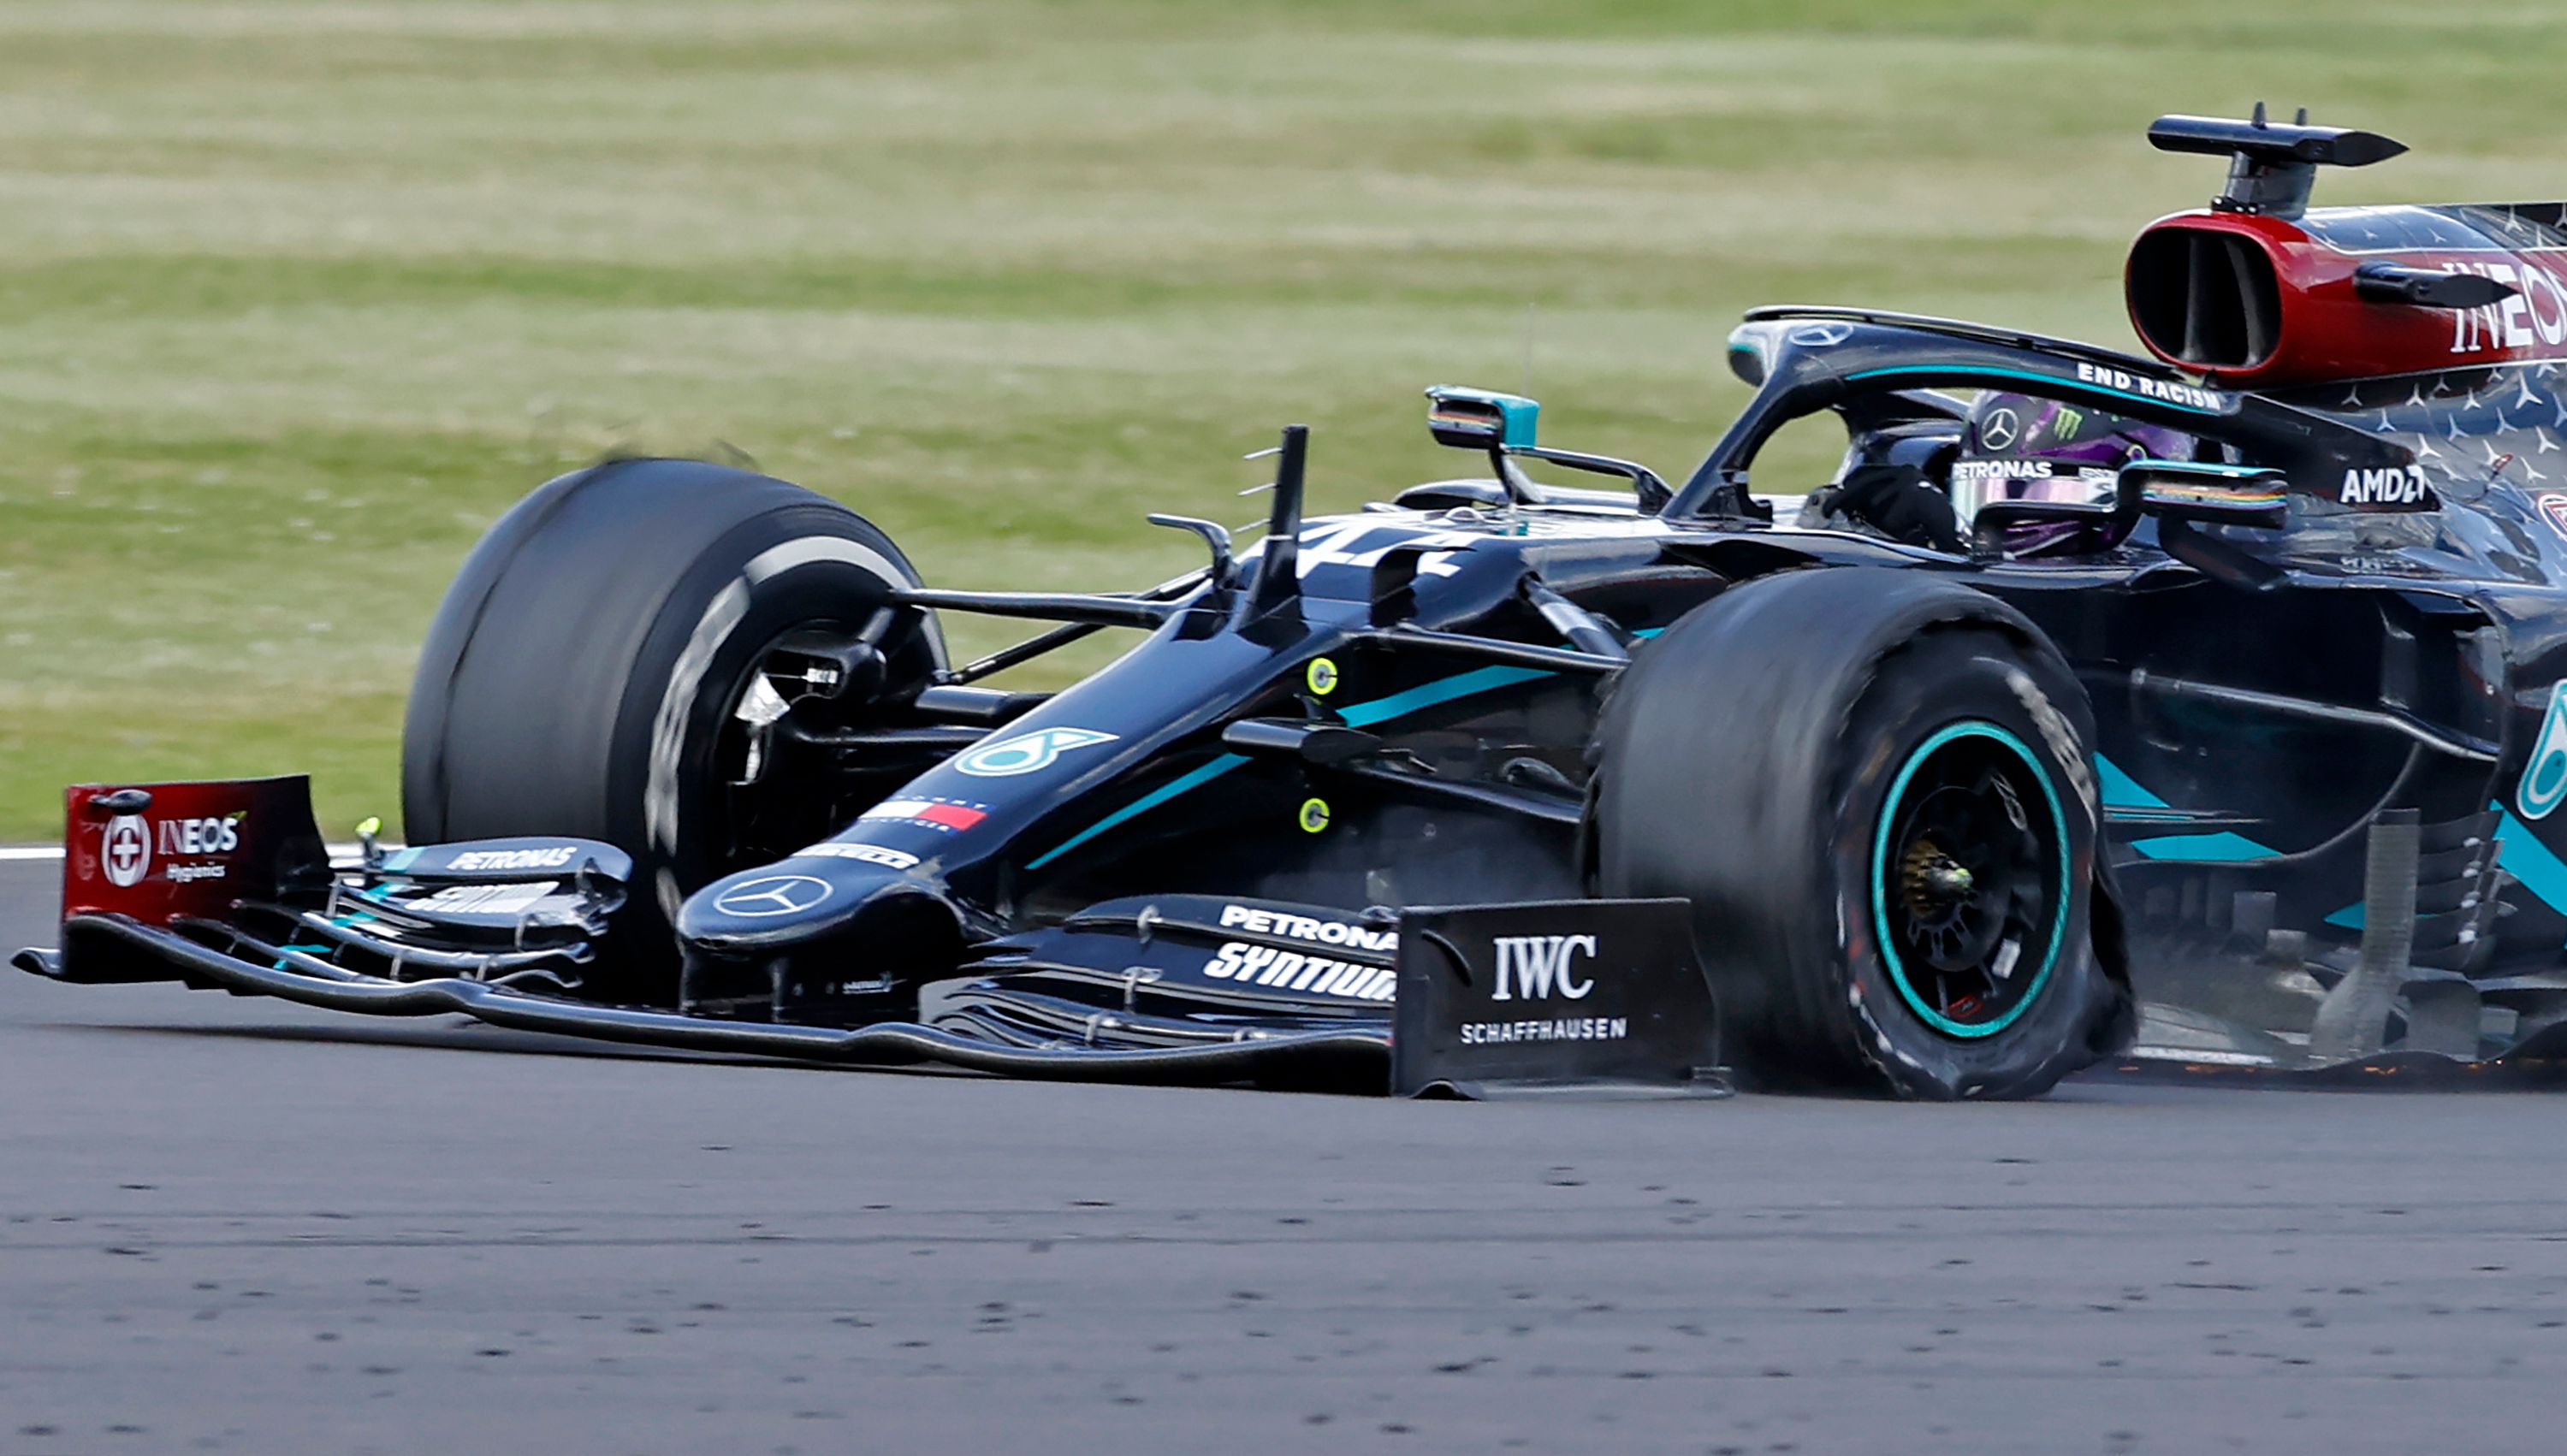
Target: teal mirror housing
[1481,419]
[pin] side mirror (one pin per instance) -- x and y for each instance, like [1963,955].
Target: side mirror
[1481,419]
[2205,495]
[1502,425]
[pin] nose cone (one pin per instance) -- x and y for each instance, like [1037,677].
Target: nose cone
[799,900]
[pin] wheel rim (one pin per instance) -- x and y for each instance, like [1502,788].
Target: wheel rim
[772,815]
[1969,880]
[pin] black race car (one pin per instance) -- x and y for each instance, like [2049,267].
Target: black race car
[2205,707]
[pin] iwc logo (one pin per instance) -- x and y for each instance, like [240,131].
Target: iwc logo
[1536,966]
[1026,753]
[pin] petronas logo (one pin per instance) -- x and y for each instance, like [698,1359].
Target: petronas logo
[2545,779]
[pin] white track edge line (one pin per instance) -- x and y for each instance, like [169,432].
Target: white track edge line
[10,853]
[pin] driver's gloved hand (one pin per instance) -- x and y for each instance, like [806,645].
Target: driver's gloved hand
[1899,500]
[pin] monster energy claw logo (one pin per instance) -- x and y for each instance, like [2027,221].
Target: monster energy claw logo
[2545,779]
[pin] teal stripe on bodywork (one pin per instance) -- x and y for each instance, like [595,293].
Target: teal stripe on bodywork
[1151,800]
[2051,380]
[2121,791]
[1445,690]
[1356,715]
[2220,848]
[2518,853]
[2521,855]
[1427,694]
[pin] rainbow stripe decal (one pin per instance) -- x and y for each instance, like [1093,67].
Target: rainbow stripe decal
[1471,416]
[2267,494]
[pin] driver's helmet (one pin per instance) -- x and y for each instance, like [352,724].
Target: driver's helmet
[2023,448]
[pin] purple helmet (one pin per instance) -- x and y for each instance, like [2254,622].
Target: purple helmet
[2023,448]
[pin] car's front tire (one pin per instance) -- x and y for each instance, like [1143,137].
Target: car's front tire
[584,669]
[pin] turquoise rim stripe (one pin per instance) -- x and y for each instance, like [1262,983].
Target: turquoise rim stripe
[1881,862]
[2052,380]
[1151,800]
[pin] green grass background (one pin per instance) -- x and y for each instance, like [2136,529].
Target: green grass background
[295,297]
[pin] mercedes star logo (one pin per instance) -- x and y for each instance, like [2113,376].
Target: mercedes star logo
[2000,430]
[772,895]
[1820,336]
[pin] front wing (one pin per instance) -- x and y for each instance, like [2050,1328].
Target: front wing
[1170,989]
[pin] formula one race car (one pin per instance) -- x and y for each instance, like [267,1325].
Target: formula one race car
[2206,708]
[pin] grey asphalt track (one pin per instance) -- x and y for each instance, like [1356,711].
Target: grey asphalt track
[233,1226]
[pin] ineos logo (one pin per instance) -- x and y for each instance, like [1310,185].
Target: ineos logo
[1534,964]
[772,895]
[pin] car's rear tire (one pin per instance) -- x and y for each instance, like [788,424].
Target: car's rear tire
[1876,787]
[590,655]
